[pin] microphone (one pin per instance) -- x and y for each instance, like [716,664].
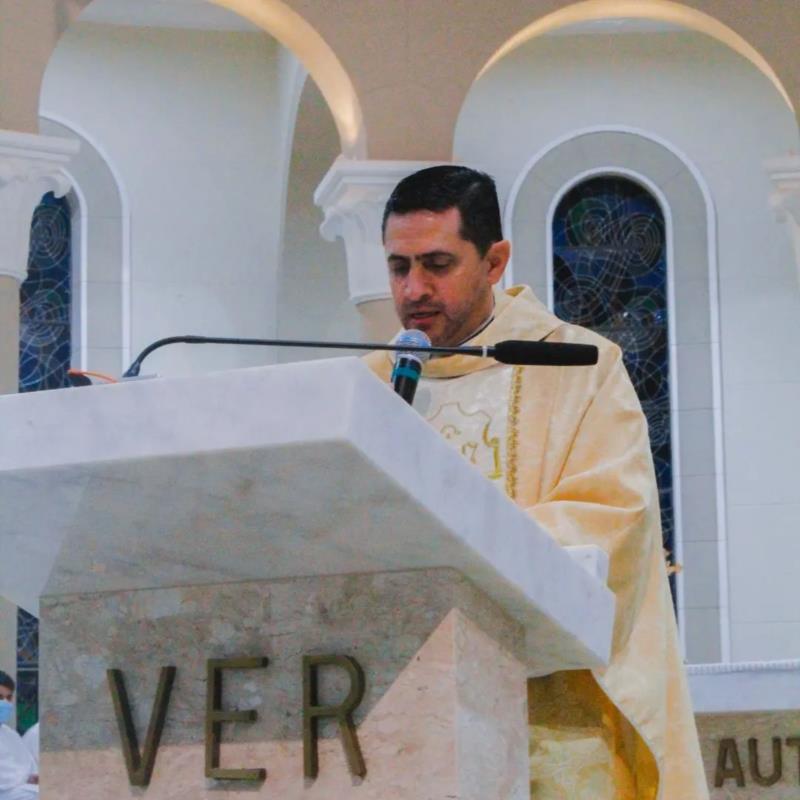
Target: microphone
[544,353]
[512,351]
[408,364]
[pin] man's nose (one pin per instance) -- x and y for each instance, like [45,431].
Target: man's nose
[417,284]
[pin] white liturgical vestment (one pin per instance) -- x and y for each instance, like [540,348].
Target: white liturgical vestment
[570,446]
[16,766]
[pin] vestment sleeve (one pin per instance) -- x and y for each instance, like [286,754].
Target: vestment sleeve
[606,493]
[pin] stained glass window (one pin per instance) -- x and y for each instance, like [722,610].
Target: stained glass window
[610,275]
[45,300]
[44,358]
[27,670]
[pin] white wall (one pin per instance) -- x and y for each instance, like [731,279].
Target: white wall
[725,116]
[190,120]
[314,301]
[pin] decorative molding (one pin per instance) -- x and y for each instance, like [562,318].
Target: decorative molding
[30,167]
[743,687]
[792,665]
[352,196]
[784,172]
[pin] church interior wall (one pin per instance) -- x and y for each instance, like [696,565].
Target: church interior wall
[715,107]
[201,159]
[99,233]
[313,295]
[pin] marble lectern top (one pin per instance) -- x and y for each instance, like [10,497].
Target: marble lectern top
[305,469]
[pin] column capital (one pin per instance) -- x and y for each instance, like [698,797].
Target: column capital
[30,167]
[352,196]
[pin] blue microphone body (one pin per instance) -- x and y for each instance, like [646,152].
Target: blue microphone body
[408,365]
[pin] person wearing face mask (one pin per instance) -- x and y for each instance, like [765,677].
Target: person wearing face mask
[18,778]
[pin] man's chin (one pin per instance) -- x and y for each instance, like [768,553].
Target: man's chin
[428,326]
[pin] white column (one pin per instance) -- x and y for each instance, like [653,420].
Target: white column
[785,199]
[30,166]
[352,196]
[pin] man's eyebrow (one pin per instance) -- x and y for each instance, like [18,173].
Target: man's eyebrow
[436,253]
[429,254]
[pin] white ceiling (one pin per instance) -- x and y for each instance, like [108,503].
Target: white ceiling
[194,14]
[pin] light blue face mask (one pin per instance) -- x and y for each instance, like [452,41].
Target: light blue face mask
[6,710]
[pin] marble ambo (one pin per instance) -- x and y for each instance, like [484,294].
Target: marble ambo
[442,700]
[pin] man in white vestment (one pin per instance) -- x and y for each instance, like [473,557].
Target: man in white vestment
[570,446]
[18,771]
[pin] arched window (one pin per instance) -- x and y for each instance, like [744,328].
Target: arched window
[46,299]
[610,275]
[27,670]
[45,348]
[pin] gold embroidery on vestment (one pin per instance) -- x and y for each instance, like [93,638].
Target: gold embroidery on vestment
[471,413]
[513,432]
[494,444]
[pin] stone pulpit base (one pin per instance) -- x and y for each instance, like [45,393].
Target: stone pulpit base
[443,713]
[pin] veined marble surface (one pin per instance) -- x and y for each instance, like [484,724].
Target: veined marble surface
[443,713]
[285,471]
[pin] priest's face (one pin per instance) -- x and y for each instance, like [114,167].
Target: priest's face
[440,283]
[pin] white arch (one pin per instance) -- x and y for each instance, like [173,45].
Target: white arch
[713,290]
[324,66]
[660,10]
[125,206]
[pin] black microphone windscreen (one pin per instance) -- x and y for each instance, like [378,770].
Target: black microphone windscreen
[555,354]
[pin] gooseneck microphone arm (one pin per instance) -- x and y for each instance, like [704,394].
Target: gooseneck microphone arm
[511,351]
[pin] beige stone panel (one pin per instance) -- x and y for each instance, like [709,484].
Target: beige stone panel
[762,727]
[9,334]
[444,706]
[434,727]
[408,729]
[492,717]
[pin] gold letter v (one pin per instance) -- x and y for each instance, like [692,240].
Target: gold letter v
[140,765]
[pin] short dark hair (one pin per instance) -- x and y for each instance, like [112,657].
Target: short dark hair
[7,681]
[444,187]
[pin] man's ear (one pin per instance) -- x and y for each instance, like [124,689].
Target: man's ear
[497,256]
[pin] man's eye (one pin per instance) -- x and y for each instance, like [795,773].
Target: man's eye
[438,263]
